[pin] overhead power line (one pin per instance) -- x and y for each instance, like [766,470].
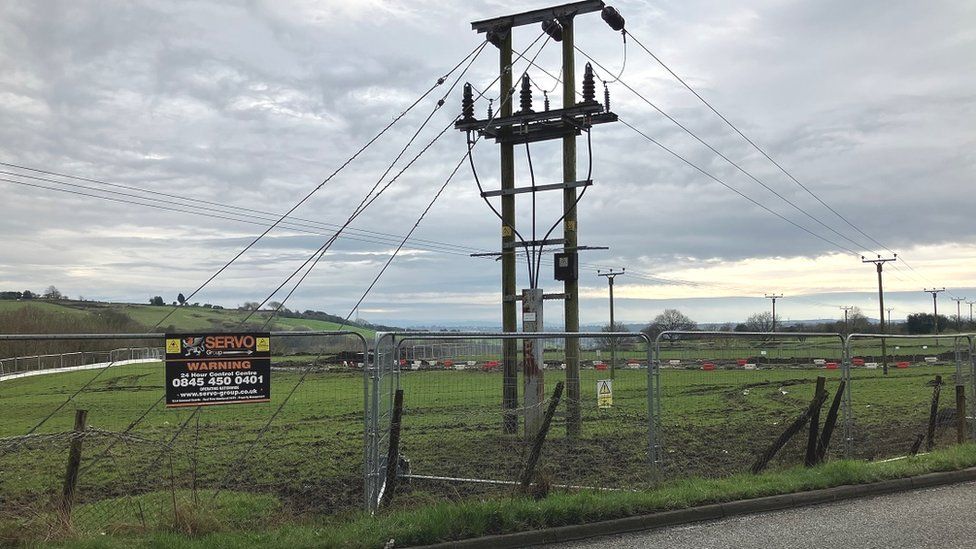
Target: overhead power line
[753,143]
[197,203]
[731,162]
[773,161]
[312,228]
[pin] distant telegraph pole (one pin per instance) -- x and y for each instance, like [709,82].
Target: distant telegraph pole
[970,303]
[774,297]
[879,264]
[935,305]
[847,308]
[611,274]
[958,301]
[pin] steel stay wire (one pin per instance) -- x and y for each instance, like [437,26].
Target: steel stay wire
[386,128]
[369,198]
[317,255]
[351,311]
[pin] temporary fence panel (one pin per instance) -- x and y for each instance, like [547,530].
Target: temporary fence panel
[457,436]
[722,398]
[142,463]
[890,410]
[381,382]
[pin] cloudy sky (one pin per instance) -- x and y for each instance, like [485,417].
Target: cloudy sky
[231,112]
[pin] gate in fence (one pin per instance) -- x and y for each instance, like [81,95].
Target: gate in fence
[143,464]
[457,432]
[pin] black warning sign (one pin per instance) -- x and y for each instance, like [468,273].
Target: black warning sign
[208,369]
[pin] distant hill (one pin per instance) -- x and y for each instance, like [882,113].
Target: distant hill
[186,318]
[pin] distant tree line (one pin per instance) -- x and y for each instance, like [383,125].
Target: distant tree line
[51,293]
[857,322]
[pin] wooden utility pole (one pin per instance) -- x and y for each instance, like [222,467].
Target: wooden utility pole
[935,306]
[774,297]
[610,275]
[527,126]
[574,416]
[509,307]
[879,264]
[958,301]
[847,309]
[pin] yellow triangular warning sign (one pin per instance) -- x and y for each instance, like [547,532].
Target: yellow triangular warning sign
[604,388]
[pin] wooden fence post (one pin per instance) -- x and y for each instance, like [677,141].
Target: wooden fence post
[74,462]
[960,414]
[933,414]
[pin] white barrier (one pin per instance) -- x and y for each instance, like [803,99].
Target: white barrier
[95,366]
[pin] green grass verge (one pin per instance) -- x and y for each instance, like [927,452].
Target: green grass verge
[453,521]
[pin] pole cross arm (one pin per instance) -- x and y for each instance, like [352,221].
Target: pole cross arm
[537,16]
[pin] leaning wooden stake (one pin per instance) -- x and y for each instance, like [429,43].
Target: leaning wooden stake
[819,396]
[393,455]
[828,430]
[74,463]
[960,414]
[540,438]
[933,414]
[814,435]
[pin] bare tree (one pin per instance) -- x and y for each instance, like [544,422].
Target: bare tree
[760,322]
[669,320]
[604,342]
[857,322]
[52,293]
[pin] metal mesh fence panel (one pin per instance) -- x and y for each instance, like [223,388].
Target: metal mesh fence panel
[722,398]
[460,439]
[890,412]
[144,465]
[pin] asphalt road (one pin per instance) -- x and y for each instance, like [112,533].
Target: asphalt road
[943,517]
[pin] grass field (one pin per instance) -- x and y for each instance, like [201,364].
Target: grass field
[310,460]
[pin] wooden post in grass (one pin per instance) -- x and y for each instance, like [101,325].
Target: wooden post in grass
[814,434]
[540,437]
[830,422]
[393,455]
[819,397]
[960,414]
[933,414]
[74,463]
